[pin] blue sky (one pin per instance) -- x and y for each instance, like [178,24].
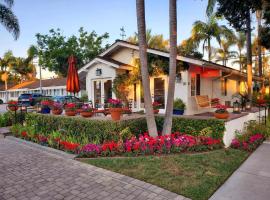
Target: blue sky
[38,16]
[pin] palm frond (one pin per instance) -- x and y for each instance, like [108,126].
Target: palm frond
[9,3]
[9,21]
[210,7]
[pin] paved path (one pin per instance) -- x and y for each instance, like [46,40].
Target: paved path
[251,181]
[31,173]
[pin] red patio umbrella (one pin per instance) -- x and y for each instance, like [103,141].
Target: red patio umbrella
[73,83]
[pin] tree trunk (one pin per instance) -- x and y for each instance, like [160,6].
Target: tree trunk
[240,61]
[249,58]
[150,118]
[259,26]
[167,126]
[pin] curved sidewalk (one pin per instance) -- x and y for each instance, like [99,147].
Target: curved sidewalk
[28,172]
[251,181]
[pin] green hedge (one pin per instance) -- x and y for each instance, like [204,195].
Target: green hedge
[9,118]
[99,130]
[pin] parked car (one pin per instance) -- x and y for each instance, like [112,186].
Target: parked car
[66,99]
[29,99]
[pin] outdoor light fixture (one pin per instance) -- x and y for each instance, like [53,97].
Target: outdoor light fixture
[236,107]
[248,105]
[98,72]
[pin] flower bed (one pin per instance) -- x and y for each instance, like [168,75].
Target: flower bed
[249,144]
[143,145]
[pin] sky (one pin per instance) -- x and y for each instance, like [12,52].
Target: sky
[39,16]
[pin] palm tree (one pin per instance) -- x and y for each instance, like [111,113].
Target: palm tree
[150,118]
[210,7]
[8,19]
[153,41]
[241,61]
[224,53]
[249,57]
[167,126]
[240,41]
[7,61]
[205,32]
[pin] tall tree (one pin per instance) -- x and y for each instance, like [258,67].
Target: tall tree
[240,41]
[167,126]
[55,48]
[259,26]
[238,13]
[150,118]
[153,41]
[206,31]
[223,54]
[8,19]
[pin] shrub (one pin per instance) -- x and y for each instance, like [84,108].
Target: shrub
[97,131]
[179,104]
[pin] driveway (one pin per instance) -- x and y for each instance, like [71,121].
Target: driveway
[251,181]
[31,172]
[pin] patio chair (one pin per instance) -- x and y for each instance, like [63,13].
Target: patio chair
[203,101]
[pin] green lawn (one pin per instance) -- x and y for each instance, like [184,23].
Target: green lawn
[195,176]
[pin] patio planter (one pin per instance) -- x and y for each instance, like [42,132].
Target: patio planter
[45,110]
[70,112]
[86,114]
[178,112]
[156,111]
[57,111]
[115,113]
[222,115]
[12,107]
[79,110]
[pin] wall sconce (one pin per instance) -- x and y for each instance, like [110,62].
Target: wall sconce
[98,72]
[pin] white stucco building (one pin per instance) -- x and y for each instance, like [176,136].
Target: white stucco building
[200,78]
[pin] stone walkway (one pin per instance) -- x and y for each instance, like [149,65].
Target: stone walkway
[31,173]
[251,181]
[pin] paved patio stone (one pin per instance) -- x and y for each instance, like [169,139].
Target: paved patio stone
[28,171]
[251,180]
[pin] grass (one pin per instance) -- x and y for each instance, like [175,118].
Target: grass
[196,176]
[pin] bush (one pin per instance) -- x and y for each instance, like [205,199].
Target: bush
[97,131]
[179,104]
[9,118]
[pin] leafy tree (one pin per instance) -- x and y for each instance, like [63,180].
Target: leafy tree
[224,53]
[238,13]
[153,41]
[206,31]
[188,48]
[54,49]
[8,19]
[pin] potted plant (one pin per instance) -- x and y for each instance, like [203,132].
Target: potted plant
[45,106]
[221,112]
[70,109]
[57,108]
[13,105]
[178,107]
[87,111]
[156,107]
[115,108]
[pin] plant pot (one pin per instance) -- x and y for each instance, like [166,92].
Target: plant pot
[70,112]
[178,112]
[156,111]
[45,110]
[79,110]
[57,111]
[13,108]
[221,115]
[115,113]
[86,114]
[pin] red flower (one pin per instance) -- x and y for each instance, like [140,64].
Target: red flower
[24,134]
